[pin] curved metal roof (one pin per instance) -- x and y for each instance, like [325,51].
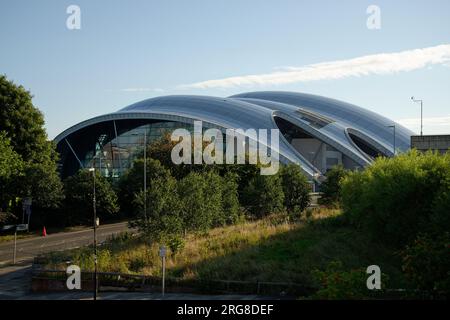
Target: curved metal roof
[256,110]
[349,115]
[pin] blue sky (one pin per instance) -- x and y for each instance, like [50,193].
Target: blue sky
[127,51]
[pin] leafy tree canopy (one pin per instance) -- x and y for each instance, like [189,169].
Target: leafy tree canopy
[22,122]
[79,197]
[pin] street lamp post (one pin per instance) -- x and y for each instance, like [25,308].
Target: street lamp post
[95,235]
[145,175]
[393,127]
[421,113]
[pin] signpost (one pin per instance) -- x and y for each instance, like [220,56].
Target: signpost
[15,246]
[22,227]
[17,227]
[162,254]
[26,209]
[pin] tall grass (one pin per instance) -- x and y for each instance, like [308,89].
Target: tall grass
[271,249]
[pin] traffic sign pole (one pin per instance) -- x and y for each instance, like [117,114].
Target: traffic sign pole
[15,246]
[162,254]
[163,274]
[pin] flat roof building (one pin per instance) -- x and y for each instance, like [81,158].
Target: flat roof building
[439,143]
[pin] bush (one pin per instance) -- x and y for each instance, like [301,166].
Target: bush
[162,218]
[395,198]
[264,195]
[426,263]
[176,244]
[331,187]
[132,182]
[295,188]
[337,283]
[230,199]
[201,200]
[79,196]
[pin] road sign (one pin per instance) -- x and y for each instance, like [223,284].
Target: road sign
[162,251]
[22,227]
[8,227]
[162,254]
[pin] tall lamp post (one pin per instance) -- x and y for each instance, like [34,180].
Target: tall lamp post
[145,173]
[421,113]
[393,127]
[95,235]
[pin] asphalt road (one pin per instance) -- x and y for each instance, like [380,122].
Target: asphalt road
[29,248]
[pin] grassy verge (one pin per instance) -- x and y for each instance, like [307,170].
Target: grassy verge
[270,249]
[10,237]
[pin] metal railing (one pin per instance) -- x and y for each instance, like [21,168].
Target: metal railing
[111,281]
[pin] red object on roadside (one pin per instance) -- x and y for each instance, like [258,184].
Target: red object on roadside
[44,232]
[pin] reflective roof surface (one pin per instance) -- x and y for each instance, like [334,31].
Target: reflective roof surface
[327,119]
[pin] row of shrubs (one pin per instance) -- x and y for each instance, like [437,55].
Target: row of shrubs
[404,203]
[185,198]
[210,198]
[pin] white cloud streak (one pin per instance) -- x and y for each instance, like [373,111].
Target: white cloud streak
[432,121]
[142,90]
[431,125]
[376,64]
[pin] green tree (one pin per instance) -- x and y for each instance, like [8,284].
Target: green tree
[395,199]
[213,198]
[295,187]
[132,182]
[264,195]
[162,221]
[79,198]
[23,123]
[41,182]
[244,173]
[201,198]
[426,262]
[11,168]
[331,187]
[161,150]
[230,199]
[10,162]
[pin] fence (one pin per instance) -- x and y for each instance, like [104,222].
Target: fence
[55,280]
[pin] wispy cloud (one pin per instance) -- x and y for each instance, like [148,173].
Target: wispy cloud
[142,90]
[432,121]
[431,125]
[376,64]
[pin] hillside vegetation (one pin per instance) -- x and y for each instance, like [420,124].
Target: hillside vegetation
[270,249]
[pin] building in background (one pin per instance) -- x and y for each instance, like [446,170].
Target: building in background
[316,132]
[439,143]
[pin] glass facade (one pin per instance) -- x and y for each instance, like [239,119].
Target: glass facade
[112,146]
[319,154]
